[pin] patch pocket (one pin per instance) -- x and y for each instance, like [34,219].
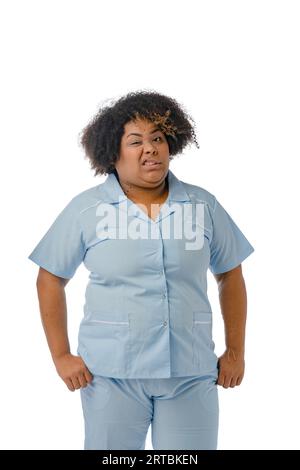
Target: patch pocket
[203,345]
[105,337]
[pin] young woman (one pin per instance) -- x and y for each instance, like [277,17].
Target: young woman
[145,349]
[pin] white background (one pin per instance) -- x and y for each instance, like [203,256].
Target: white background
[234,66]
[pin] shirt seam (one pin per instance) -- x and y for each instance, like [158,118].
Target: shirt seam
[89,207]
[81,232]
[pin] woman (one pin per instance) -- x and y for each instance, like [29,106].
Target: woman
[145,350]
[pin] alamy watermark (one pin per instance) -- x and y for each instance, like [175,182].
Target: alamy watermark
[186,223]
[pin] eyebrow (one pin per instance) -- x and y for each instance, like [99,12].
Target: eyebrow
[134,133]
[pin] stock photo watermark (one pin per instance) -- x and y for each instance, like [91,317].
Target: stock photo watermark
[131,222]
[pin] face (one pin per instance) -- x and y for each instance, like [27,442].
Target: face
[141,143]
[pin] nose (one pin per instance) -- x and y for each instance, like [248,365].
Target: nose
[149,147]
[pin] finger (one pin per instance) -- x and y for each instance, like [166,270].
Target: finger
[227,381]
[88,376]
[239,380]
[75,382]
[81,380]
[69,384]
[233,382]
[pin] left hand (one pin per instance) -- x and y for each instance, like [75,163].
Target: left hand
[231,367]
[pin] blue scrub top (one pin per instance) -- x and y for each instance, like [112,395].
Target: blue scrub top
[146,310]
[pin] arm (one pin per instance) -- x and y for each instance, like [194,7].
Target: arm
[233,303]
[53,309]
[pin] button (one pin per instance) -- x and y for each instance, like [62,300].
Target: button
[165,323]
[164,295]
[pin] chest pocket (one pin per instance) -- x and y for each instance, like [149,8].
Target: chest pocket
[203,345]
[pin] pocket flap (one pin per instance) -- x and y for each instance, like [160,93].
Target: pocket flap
[202,317]
[119,317]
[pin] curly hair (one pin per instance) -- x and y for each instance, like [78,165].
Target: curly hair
[101,138]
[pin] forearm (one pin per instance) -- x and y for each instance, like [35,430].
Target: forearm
[53,310]
[233,303]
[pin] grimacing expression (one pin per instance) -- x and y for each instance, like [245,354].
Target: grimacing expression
[144,154]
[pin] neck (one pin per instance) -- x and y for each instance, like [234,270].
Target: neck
[144,195]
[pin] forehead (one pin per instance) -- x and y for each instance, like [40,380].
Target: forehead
[139,125]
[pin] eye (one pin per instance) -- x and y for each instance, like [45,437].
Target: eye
[136,142]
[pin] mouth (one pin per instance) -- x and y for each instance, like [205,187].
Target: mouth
[151,163]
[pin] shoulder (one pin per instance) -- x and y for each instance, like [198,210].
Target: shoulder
[84,200]
[198,194]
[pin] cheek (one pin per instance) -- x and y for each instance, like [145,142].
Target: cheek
[165,148]
[128,158]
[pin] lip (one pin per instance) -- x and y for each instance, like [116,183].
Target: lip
[152,163]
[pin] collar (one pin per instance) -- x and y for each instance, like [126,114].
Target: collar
[112,191]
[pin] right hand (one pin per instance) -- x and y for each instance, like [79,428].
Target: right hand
[73,371]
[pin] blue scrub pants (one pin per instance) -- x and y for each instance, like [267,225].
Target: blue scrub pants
[183,413]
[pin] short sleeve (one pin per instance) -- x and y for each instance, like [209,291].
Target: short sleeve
[228,246]
[61,250]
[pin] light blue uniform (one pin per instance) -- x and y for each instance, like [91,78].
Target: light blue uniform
[146,311]
[183,413]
